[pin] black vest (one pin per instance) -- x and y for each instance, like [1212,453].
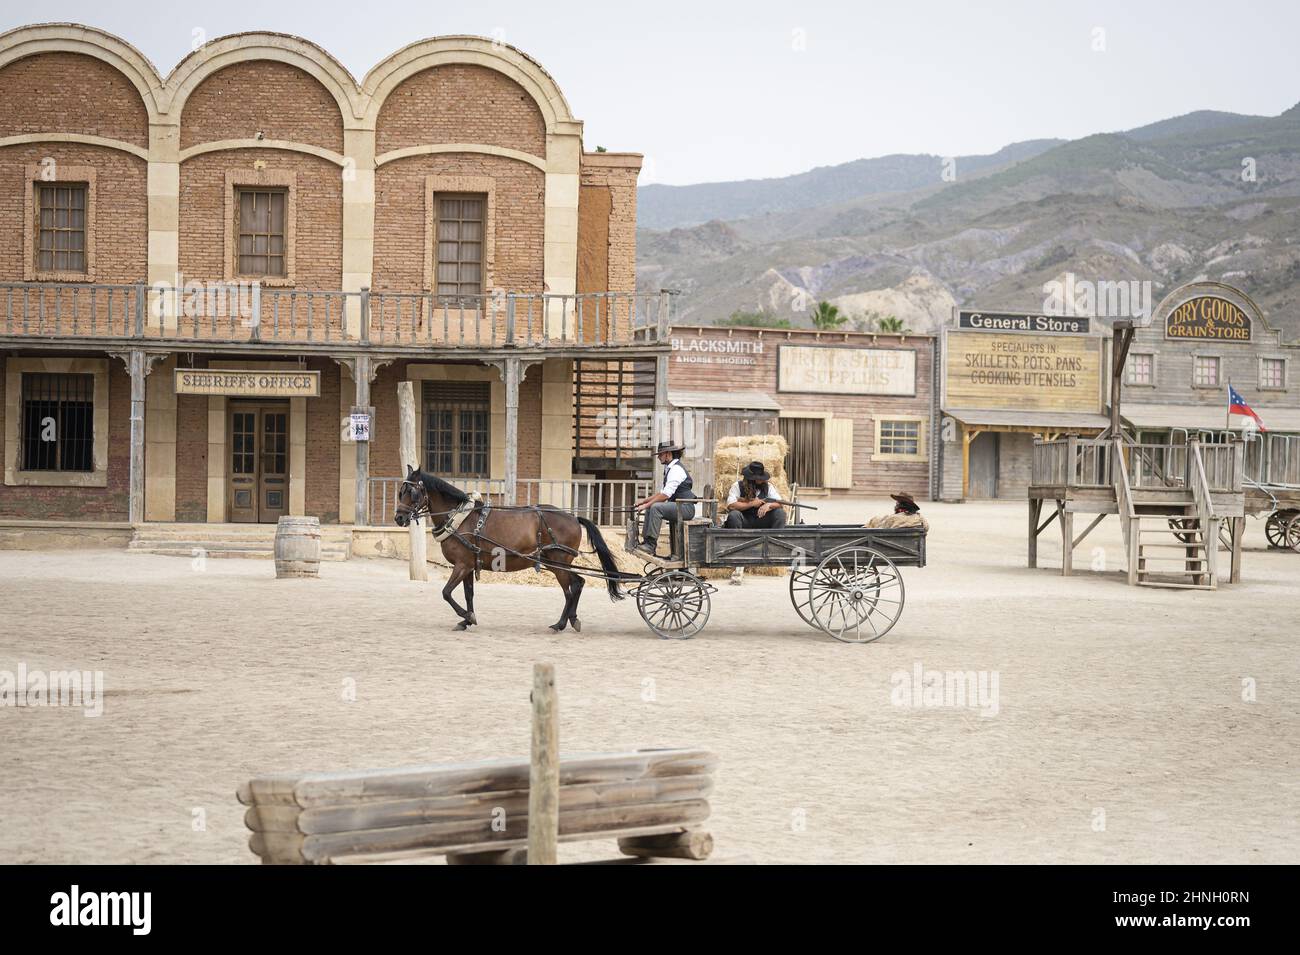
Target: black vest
[683,492]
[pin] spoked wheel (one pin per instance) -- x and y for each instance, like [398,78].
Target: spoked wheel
[674,604]
[857,594]
[801,594]
[1185,529]
[1275,529]
[1293,532]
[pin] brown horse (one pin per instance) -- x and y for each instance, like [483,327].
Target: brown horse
[503,538]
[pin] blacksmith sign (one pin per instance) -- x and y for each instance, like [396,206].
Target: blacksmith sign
[1208,318]
[1022,322]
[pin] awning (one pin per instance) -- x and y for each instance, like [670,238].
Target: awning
[1206,417]
[739,400]
[1044,420]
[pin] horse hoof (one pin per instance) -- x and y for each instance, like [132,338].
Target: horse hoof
[557,627]
[577,624]
[462,625]
[471,619]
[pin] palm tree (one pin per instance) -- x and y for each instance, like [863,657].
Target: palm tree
[827,316]
[892,326]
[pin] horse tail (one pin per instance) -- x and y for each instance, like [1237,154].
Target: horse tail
[607,564]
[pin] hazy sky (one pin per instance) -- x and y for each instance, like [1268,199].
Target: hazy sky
[728,90]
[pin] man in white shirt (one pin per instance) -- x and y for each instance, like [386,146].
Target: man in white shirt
[753,500]
[674,501]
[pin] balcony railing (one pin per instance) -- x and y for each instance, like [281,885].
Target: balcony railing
[1075,462]
[606,502]
[248,313]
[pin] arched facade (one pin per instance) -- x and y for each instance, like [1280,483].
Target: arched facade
[264,141]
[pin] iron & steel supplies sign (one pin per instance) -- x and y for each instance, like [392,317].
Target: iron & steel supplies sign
[1208,318]
[846,371]
[248,384]
[1018,322]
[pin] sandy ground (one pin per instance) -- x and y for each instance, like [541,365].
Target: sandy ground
[1120,734]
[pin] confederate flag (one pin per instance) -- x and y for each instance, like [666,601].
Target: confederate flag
[1237,405]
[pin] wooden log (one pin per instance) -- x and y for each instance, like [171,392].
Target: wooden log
[544,777]
[682,845]
[341,788]
[295,847]
[419,567]
[494,857]
[474,806]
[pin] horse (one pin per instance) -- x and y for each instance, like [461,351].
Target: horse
[503,538]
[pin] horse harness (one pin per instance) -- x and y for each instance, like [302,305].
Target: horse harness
[451,527]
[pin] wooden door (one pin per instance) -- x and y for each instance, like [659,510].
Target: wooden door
[806,437]
[984,455]
[837,468]
[258,476]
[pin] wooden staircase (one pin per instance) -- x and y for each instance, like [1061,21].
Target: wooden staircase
[1169,556]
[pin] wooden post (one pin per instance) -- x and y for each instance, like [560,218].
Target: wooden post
[1035,511]
[1238,532]
[966,438]
[1067,540]
[512,376]
[544,773]
[361,375]
[406,415]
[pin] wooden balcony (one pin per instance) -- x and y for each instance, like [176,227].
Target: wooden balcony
[239,316]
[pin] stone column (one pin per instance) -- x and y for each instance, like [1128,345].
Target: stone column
[361,376]
[512,372]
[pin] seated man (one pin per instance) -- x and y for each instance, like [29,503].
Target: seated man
[907,513]
[674,501]
[752,501]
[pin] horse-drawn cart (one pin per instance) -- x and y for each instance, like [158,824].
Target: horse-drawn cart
[844,578]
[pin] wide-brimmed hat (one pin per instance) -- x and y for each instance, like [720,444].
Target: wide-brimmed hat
[669,446]
[754,471]
[906,500]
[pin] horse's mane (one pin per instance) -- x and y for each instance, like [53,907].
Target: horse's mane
[436,485]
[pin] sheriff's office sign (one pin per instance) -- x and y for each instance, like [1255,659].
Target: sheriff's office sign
[1208,318]
[1023,322]
[248,384]
[1022,372]
[846,371]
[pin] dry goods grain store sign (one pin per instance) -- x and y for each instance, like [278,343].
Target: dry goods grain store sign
[248,384]
[846,371]
[1208,318]
[1022,372]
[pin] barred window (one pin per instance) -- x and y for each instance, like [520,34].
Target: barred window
[1141,369]
[58,422]
[460,245]
[900,437]
[1272,373]
[1205,371]
[260,226]
[61,229]
[457,428]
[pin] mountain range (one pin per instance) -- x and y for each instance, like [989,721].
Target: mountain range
[1210,195]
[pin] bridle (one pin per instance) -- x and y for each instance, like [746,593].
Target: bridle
[421,509]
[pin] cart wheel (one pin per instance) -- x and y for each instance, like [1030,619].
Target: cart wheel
[1184,529]
[1293,533]
[1275,529]
[801,594]
[674,604]
[857,594]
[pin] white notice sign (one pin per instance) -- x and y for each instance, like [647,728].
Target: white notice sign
[359,427]
[846,371]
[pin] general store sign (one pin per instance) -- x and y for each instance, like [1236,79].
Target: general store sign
[248,384]
[1020,322]
[846,371]
[1208,318]
[1022,372]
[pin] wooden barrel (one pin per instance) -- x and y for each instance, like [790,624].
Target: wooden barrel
[297,547]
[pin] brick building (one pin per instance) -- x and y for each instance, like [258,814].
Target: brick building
[204,275]
[857,409]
